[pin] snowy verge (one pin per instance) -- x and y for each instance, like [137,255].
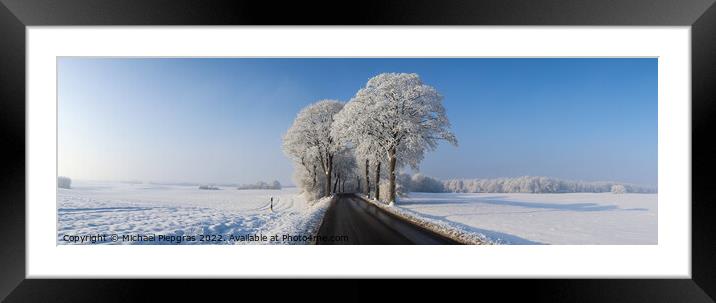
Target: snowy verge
[304,227]
[442,228]
[314,222]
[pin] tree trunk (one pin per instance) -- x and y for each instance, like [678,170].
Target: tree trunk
[329,174]
[335,184]
[391,176]
[314,175]
[367,178]
[377,181]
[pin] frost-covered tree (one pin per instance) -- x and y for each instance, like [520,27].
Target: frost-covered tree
[618,189]
[402,186]
[344,170]
[309,140]
[401,118]
[368,152]
[426,184]
[311,186]
[305,159]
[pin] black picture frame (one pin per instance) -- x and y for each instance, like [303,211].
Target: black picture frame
[16,15]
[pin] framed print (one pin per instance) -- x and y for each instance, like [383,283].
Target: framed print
[429,140]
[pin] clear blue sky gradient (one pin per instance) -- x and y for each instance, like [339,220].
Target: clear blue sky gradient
[221,120]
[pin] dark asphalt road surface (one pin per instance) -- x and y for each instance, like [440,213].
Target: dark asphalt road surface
[364,223]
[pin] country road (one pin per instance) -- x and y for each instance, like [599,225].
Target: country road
[351,220]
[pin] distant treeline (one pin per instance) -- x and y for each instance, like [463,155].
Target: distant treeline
[64,182]
[525,184]
[258,185]
[261,185]
[209,187]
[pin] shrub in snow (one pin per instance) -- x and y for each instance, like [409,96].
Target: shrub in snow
[618,189]
[64,182]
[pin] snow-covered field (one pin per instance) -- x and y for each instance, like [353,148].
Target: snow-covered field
[571,218]
[92,208]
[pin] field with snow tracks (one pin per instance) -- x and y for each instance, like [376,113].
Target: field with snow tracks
[91,208]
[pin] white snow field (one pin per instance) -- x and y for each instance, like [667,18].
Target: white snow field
[568,218]
[92,208]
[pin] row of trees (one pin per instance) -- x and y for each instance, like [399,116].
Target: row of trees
[261,185]
[390,123]
[525,184]
[533,184]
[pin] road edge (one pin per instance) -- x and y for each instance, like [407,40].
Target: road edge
[317,227]
[456,234]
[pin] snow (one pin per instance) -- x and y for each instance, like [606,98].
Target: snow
[441,227]
[516,218]
[92,208]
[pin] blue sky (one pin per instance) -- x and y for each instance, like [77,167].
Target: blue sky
[221,120]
